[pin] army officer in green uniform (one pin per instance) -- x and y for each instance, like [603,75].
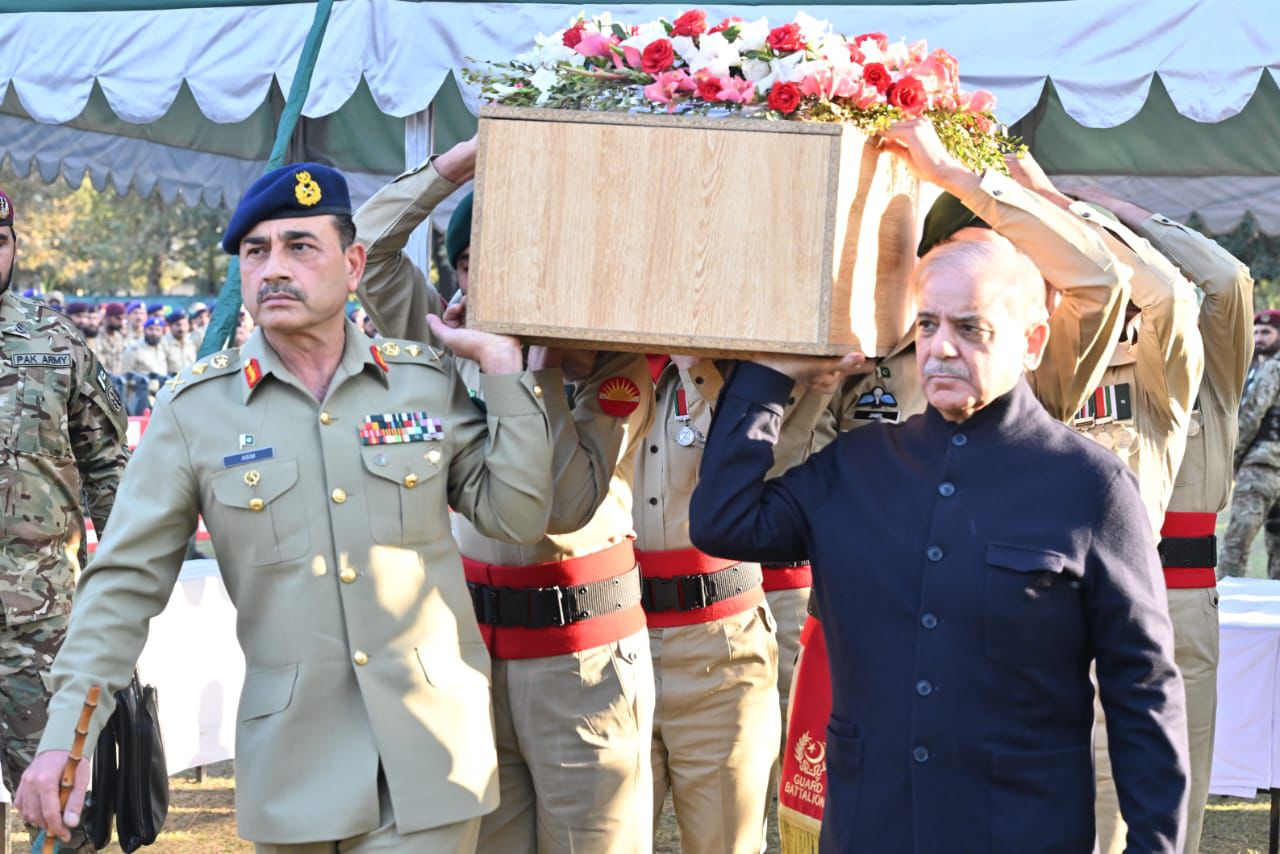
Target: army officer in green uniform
[324,466]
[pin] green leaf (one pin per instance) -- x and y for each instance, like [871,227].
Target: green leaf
[620,32]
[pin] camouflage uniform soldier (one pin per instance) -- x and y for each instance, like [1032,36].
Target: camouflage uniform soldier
[1257,459]
[63,431]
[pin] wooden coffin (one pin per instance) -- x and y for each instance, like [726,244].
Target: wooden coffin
[662,233]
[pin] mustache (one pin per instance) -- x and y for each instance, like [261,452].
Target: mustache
[940,368]
[270,289]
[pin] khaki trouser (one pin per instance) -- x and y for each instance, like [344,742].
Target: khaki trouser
[572,732]
[457,838]
[716,729]
[1194,614]
[790,609]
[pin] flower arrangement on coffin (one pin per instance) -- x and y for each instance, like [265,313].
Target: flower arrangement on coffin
[802,70]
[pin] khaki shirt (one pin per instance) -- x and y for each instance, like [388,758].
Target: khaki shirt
[1083,326]
[592,462]
[179,353]
[144,358]
[1203,484]
[62,437]
[1160,359]
[361,646]
[395,293]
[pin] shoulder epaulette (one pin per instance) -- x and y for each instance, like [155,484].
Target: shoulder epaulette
[220,364]
[400,351]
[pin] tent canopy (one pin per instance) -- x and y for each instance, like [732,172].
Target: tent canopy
[1171,98]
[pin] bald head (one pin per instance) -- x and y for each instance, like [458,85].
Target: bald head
[981,322]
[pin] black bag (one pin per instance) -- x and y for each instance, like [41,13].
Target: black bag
[129,779]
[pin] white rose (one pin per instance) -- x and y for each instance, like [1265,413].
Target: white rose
[715,54]
[544,80]
[898,54]
[811,28]
[647,33]
[752,35]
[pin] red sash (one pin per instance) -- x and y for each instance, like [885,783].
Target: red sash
[677,562]
[1189,525]
[802,785]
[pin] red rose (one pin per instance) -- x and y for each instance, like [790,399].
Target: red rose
[692,23]
[573,35]
[856,55]
[726,24]
[708,87]
[875,74]
[908,95]
[785,39]
[784,97]
[881,40]
[658,56]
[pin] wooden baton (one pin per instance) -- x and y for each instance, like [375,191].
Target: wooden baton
[73,761]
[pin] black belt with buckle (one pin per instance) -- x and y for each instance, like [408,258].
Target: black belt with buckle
[795,564]
[691,592]
[1189,552]
[556,606]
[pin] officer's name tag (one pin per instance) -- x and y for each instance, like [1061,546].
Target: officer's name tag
[247,457]
[42,360]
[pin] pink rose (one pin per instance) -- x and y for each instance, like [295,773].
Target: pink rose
[880,39]
[908,95]
[875,74]
[595,44]
[980,101]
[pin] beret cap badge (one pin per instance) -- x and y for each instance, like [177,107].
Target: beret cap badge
[307,191]
[5,210]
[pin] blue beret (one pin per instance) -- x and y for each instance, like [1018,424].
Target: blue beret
[296,190]
[154,321]
[134,304]
[155,308]
[175,316]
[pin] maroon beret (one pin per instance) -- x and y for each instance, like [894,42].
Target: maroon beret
[1267,317]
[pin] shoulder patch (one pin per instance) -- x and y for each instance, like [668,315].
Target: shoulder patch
[398,350]
[220,364]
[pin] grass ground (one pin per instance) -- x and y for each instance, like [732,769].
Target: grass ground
[202,815]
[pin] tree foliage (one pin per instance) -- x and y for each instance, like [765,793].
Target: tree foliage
[85,241]
[1261,252]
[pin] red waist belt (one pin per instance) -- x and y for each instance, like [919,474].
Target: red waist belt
[557,607]
[1189,550]
[684,587]
[786,576]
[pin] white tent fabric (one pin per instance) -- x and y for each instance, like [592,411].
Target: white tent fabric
[1100,54]
[1220,201]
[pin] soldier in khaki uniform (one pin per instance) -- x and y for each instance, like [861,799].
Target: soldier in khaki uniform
[112,342]
[180,349]
[1084,323]
[1141,409]
[135,313]
[325,482]
[1203,484]
[572,679]
[148,356]
[62,440]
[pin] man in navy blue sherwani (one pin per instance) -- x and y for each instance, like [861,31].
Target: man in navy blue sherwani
[969,565]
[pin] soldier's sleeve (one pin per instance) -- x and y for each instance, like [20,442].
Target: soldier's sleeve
[1169,352]
[612,412]
[129,579]
[500,471]
[1094,288]
[1226,315]
[1262,396]
[98,429]
[808,425]
[703,379]
[394,291]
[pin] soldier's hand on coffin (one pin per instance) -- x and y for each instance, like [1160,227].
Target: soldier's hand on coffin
[37,795]
[574,364]
[820,373]
[917,143]
[458,164]
[496,354]
[455,314]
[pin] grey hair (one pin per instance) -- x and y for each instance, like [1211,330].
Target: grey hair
[991,257]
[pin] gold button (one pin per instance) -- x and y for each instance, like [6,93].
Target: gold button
[360,658]
[537,391]
[410,480]
[326,418]
[347,575]
[257,504]
[339,495]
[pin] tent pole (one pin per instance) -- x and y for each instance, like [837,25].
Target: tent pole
[227,310]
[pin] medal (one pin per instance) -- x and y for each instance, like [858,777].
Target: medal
[1193,427]
[1104,439]
[686,436]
